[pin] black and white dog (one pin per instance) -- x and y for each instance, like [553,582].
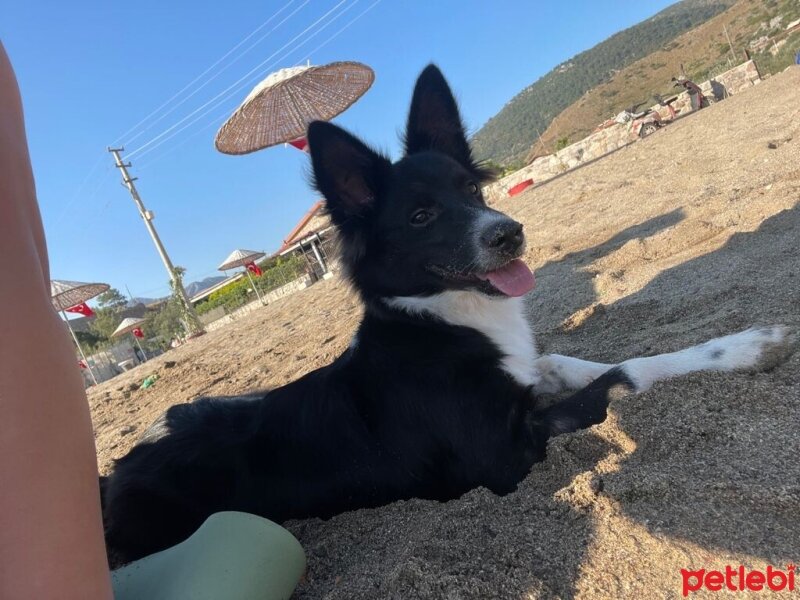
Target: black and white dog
[436,394]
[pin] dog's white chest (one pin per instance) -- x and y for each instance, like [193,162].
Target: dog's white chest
[502,320]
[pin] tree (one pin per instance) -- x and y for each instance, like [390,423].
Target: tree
[188,318]
[112,298]
[107,317]
[104,323]
[89,340]
[165,324]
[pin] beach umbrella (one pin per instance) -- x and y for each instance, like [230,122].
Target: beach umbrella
[132,325]
[72,296]
[279,109]
[246,259]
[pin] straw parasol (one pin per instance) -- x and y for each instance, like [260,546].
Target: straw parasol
[66,294]
[243,258]
[127,325]
[240,258]
[279,109]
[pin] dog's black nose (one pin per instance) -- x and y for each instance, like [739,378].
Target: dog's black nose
[505,237]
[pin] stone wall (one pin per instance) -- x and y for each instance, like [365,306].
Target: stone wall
[612,138]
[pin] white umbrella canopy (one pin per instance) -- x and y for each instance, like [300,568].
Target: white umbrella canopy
[279,109]
[240,258]
[66,294]
[128,324]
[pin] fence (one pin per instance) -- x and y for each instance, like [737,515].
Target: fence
[218,317]
[239,293]
[114,360]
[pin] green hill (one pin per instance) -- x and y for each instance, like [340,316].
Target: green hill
[508,136]
[701,53]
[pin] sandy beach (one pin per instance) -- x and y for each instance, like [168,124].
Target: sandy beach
[689,234]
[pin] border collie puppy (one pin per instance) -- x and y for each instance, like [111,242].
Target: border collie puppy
[436,394]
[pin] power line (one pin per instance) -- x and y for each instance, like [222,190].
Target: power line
[233,85]
[153,160]
[239,87]
[220,118]
[218,73]
[100,159]
[246,84]
[199,77]
[217,120]
[78,190]
[335,35]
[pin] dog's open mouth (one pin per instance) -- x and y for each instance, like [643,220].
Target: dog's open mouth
[512,279]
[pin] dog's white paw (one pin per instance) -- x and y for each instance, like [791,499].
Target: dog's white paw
[755,349]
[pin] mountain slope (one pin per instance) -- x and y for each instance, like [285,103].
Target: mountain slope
[701,52]
[507,136]
[196,287]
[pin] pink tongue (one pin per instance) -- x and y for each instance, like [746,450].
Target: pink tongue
[514,279]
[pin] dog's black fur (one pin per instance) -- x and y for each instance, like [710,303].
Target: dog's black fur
[416,407]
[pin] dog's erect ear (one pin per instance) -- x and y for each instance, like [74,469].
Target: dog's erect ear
[347,172]
[434,122]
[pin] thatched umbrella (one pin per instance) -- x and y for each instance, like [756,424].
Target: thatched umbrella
[131,325]
[279,109]
[69,294]
[246,259]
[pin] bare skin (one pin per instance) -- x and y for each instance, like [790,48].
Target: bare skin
[51,536]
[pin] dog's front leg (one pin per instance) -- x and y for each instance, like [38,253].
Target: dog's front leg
[558,373]
[753,349]
[756,348]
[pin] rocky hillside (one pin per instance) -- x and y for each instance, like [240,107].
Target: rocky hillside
[507,136]
[700,53]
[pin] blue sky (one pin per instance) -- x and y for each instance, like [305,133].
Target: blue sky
[90,71]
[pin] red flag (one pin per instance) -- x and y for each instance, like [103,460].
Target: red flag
[81,364]
[81,308]
[300,143]
[138,332]
[254,269]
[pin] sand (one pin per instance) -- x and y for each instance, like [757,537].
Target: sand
[687,235]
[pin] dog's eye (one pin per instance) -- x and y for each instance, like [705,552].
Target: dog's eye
[473,188]
[420,217]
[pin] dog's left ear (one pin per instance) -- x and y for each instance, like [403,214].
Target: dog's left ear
[434,123]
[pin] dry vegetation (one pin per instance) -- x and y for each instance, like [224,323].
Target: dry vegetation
[702,49]
[690,234]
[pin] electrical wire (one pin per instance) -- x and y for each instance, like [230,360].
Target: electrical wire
[335,35]
[226,92]
[246,84]
[77,194]
[122,137]
[68,205]
[218,120]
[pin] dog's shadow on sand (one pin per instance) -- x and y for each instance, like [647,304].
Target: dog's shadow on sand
[573,276]
[708,461]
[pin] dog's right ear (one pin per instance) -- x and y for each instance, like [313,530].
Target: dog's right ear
[346,171]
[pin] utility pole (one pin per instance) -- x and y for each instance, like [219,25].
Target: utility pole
[192,323]
[730,44]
